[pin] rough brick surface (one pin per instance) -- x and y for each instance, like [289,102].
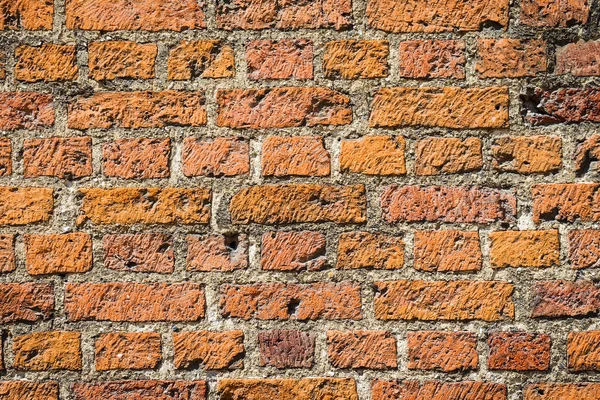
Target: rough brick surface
[20,389]
[26,205]
[542,13]
[511,58]
[284,59]
[519,351]
[447,251]
[163,390]
[287,389]
[566,202]
[296,156]
[293,251]
[373,155]
[566,391]
[443,351]
[43,351]
[565,299]
[128,60]
[49,63]
[209,350]
[435,156]
[58,254]
[369,250]
[583,351]
[7,253]
[436,390]
[128,351]
[578,59]
[142,252]
[140,158]
[26,14]
[204,59]
[584,248]
[524,249]
[353,59]
[568,105]
[217,253]
[60,157]
[5,157]
[286,349]
[362,349]
[218,157]
[587,155]
[26,110]
[527,154]
[427,59]
[26,302]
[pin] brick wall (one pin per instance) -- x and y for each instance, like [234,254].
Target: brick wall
[299,199]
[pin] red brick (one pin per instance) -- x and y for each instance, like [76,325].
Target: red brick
[128,206]
[217,253]
[7,253]
[293,251]
[356,59]
[428,59]
[131,351]
[141,252]
[524,249]
[583,351]
[566,202]
[564,105]
[283,59]
[42,351]
[550,14]
[436,390]
[584,248]
[286,349]
[578,59]
[5,157]
[146,15]
[117,60]
[58,254]
[203,58]
[134,302]
[562,391]
[141,390]
[447,251]
[401,16]
[19,390]
[26,302]
[370,250]
[282,107]
[435,156]
[587,155]
[444,300]
[281,301]
[276,204]
[26,110]
[527,154]
[362,349]
[565,299]
[61,157]
[47,63]
[32,15]
[295,156]
[140,158]
[510,58]
[442,351]
[519,351]
[265,14]
[215,157]
[373,155]
[210,350]
[25,205]
[447,204]
[136,110]
[287,389]
[448,107]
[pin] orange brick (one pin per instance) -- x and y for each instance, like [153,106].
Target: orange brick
[362,349]
[442,351]
[447,251]
[437,390]
[7,253]
[527,154]
[18,390]
[204,59]
[141,252]
[42,351]
[554,299]
[427,59]
[32,15]
[566,202]
[58,254]
[131,351]
[587,155]
[293,251]
[435,156]
[370,250]
[210,350]
[140,158]
[163,390]
[510,58]
[283,59]
[217,253]
[300,156]
[286,349]
[373,155]
[116,60]
[524,249]
[578,59]
[26,110]
[355,59]
[26,302]
[562,391]
[5,157]
[61,157]
[519,351]
[550,14]
[287,389]
[584,248]
[215,157]
[48,63]
[25,205]
[583,351]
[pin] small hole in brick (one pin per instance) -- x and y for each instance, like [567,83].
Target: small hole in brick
[232,242]
[292,307]
[130,264]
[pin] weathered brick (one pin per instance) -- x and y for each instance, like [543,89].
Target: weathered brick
[510,58]
[276,204]
[5,157]
[141,252]
[435,156]
[287,389]
[61,157]
[142,390]
[527,154]
[217,253]
[146,15]
[373,155]
[281,301]
[442,351]
[444,300]
[447,204]
[265,14]
[293,251]
[146,205]
[566,202]
[134,302]
[26,302]
[41,351]
[356,59]
[286,349]
[564,105]
[209,350]
[2,65]
[32,15]
[587,155]
[437,390]
[524,249]
[139,158]
[584,248]
[562,391]
[121,60]
[58,254]
[140,350]
[519,351]
[7,253]
[362,349]
[370,250]
[583,351]
[217,157]
[578,59]
[283,59]
[18,390]
[26,110]
[299,156]
[553,299]
[400,16]
[550,14]
[203,59]
[447,251]
[25,205]
[48,63]
[428,59]
[449,107]
[136,110]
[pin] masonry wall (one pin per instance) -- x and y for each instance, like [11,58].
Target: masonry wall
[299,199]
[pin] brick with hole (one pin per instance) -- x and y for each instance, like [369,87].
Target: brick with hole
[578,59]
[295,156]
[432,59]
[358,250]
[293,251]
[22,389]
[223,156]
[437,390]
[5,157]
[439,156]
[537,249]
[527,154]
[58,253]
[510,58]
[217,253]
[44,351]
[587,156]
[442,351]
[7,253]
[566,202]
[26,110]
[25,205]
[583,351]
[280,59]
[47,63]
[362,349]
[140,158]
[519,351]
[33,15]
[141,389]
[286,349]
[209,350]
[356,59]
[287,389]
[584,248]
[562,391]
[373,155]
[561,299]
[140,252]
[554,14]
[26,302]
[563,105]
[204,59]
[447,251]
[60,157]
[128,350]
[112,60]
